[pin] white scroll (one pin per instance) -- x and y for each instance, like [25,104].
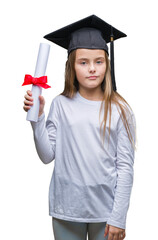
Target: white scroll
[41,64]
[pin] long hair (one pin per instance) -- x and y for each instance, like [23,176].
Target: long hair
[109,96]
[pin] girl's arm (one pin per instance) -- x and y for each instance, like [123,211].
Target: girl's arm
[45,139]
[125,171]
[44,132]
[45,135]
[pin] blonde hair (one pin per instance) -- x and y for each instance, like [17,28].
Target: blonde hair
[110,96]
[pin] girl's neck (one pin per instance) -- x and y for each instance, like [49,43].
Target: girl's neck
[94,95]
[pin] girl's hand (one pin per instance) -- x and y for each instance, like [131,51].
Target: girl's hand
[28,102]
[115,233]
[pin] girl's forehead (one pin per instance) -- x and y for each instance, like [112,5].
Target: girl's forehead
[85,53]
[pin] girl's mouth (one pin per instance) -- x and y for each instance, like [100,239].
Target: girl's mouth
[92,77]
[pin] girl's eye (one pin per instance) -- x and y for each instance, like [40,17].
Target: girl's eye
[99,62]
[83,63]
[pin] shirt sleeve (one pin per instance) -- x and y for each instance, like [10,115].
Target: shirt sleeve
[45,135]
[125,173]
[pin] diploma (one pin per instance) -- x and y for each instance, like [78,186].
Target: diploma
[41,64]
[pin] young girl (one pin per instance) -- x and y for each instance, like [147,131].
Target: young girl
[93,171]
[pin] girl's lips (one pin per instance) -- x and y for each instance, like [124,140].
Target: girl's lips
[92,77]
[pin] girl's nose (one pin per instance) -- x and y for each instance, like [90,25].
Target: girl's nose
[92,68]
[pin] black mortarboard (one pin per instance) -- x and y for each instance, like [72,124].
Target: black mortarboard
[90,32]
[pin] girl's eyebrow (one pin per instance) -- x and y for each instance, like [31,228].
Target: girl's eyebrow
[82,58]
[88,58]
[100,58]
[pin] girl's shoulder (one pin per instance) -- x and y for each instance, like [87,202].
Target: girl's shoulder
[59,98]
[59,101]
[128,112]
[123,105]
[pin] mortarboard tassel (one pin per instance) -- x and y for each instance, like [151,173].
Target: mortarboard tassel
[112,60]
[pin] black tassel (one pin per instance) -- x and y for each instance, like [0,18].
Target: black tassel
[112,61]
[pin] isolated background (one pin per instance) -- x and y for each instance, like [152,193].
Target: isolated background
[24,179]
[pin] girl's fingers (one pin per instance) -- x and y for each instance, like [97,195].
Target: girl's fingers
[106,230]
[42,101]
[29,92]
[27,103]
[26,108]
[27,97]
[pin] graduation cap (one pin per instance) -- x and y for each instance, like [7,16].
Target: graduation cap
[91,33]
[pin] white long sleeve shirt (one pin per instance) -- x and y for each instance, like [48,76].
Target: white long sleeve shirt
[90,183]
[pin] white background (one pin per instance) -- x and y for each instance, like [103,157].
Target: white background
[24,179]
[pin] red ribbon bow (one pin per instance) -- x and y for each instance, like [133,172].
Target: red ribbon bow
[40,82]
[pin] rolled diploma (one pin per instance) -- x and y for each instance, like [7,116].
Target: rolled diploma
[41,64]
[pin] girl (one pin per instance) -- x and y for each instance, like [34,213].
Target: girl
[93,176]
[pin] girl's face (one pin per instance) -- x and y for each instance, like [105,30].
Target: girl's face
[90,67]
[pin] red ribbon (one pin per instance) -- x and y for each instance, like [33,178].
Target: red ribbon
[40,82]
